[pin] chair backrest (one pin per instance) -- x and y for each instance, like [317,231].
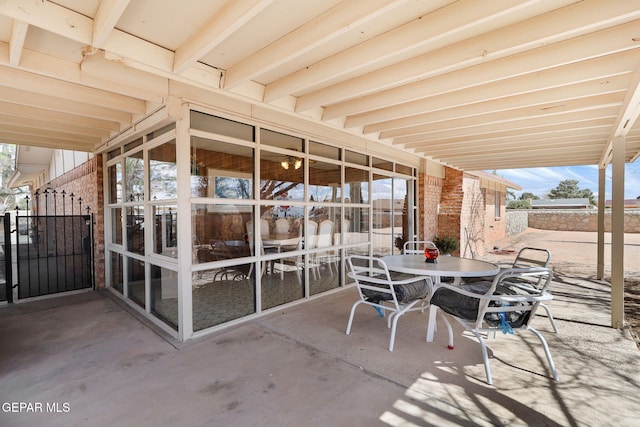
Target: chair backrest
[264,227]
[371,276]
[532,257]
[311,234]
[282,226]
[325,234]
[415,246]
[375,284]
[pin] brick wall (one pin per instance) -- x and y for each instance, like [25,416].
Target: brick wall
[429,192]
[84,182]
[451,203]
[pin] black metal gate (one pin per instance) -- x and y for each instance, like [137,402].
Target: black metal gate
[53,254]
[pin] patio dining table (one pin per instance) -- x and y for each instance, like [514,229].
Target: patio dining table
[446,266]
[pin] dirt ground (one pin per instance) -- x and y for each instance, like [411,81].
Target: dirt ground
[575,253]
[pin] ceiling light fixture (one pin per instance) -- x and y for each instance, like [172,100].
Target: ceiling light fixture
[289,161]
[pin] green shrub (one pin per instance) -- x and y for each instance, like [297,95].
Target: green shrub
[446,245]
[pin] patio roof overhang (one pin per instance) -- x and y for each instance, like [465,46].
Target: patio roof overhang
[472,85]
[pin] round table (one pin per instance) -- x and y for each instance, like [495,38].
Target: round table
[449,266]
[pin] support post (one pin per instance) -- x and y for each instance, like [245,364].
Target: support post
[601,202]
[617,234]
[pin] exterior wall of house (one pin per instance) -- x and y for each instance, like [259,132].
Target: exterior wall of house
[429,192]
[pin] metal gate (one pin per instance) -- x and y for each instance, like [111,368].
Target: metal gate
[53,254]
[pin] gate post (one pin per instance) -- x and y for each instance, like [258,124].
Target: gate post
[8,268]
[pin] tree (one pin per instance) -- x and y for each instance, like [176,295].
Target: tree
[528,196]
[8,196]
[568,189]
[519,204]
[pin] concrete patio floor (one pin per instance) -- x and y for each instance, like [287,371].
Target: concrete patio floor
[89,361]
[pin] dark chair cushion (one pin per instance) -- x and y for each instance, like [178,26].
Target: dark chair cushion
[466,307]
[404,293]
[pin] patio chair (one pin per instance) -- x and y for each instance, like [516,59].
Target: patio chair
[502,304]
[376,288]
[527,257]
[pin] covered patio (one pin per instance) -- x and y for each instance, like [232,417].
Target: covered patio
[297,367]
[463,84]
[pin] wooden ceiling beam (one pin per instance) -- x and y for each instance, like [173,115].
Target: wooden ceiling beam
[601,43]
[107,16]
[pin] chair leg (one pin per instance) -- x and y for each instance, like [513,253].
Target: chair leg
[547,352]
[485,356]
[353,311]
[551,319]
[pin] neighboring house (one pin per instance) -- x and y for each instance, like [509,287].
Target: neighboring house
[628,203]
[582,203]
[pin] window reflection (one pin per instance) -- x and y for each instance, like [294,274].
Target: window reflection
[220,231]
[115,183]
[116,226]
[356,188]
[221,170]
[134,177]
[135,281]
[383,207]
[278,183]
[162,172]
[164,295]
[165,230]
[325,182]
[135,229]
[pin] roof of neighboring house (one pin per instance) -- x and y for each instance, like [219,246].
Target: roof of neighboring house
[561,203]
[628,203]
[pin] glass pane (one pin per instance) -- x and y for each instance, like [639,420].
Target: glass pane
[116,226]
[357,158]
[278,183]
[135,281]
[325,182]
[164,295]
[209,123]
[220,232]
[165,230]
[285,283]
[323,150]
[277,139]
[405,170]
[134,177]
[400,214]
[323,233]
[132,145]
[135,229]
[115,183]
[156,133]
[223,294]
[282,220]
[356,226]
[356,188]
[113,153]
[382,164]
[221,170]
[163,172]
[117,272]
[382,210]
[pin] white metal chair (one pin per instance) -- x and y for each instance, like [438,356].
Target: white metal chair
[377,289]
[503,304]
[412,247]
[527,257]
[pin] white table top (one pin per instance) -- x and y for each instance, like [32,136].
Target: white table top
[446,266]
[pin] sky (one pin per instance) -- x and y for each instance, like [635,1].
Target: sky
[540,181]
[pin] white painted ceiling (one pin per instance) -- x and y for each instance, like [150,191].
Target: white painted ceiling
[472,84]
